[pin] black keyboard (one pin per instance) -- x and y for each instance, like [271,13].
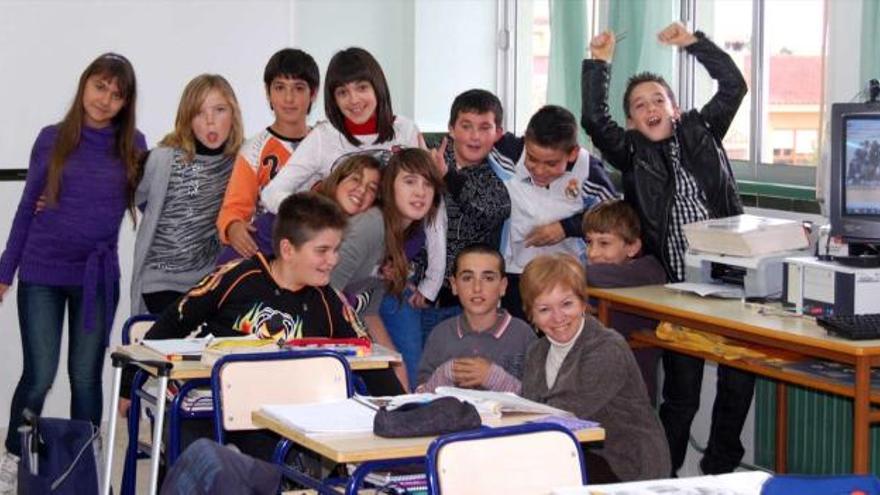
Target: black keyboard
[853,327]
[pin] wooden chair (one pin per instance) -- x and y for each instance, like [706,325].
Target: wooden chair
[524,459]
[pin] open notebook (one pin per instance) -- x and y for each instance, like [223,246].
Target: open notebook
[328,418]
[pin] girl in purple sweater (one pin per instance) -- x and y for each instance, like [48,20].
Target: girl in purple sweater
[84,172]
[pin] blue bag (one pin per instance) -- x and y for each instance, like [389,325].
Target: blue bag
[58,458]
[821,485]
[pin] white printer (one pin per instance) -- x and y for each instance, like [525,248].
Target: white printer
[759,276]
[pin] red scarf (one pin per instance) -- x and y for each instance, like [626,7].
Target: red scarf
[369,127]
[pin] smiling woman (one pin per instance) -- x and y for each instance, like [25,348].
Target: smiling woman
[589,370]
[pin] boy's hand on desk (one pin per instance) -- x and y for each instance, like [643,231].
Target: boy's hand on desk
[546,235]
[676,34]
[240,238]
[470,372]
[602,46]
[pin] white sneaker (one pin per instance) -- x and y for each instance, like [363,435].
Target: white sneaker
[8,473]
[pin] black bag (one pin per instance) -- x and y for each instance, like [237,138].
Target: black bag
[437,417]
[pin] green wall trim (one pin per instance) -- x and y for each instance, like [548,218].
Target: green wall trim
[776,190]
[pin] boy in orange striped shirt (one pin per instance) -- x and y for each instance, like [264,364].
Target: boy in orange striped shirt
[292,80]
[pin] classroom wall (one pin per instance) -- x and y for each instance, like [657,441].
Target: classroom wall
[430,50]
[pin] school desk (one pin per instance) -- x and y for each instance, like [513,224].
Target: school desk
[165,370]
[769,330]
[367,447]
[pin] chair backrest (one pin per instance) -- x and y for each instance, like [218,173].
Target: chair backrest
[136,327]
[524,459]
[242,383]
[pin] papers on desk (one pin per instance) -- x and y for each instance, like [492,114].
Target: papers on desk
[500,402]
[724,291]
[490,405]
[741,483]
[241,345]
[172,348]
[326,418]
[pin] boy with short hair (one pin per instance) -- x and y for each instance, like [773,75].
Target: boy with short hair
[291,78]
[476,201]
[675,171]
[284,296]
[614,254]
[485,346]
[553,182]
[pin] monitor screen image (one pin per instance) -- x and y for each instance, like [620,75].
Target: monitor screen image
[861,194]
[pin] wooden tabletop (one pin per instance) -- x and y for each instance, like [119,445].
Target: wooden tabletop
[734,314]
[360,447]
[189,370]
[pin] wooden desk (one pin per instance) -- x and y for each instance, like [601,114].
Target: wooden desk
[380,358]
[361,447]
[189,370]
[792,336]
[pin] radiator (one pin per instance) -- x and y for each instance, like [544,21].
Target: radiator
[819,431]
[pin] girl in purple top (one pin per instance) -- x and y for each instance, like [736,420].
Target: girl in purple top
[84,172]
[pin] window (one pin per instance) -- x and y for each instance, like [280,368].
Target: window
[780,42]
[533,56]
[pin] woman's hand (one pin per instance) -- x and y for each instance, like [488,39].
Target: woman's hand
[3,289]
[240,238]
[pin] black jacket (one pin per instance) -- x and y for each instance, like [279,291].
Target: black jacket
[648,180]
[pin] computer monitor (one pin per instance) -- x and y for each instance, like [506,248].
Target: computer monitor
[855,172]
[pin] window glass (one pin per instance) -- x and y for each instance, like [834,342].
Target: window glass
[729,24]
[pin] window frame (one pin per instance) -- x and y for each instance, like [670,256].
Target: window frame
[753,175]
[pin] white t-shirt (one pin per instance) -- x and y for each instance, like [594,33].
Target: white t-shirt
[323,148]
[533,206]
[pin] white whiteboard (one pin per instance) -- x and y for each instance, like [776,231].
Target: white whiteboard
[45,45]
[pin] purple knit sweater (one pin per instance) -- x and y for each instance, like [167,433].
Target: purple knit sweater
[73,242]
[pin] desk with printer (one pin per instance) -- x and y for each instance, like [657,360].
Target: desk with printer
[785,274]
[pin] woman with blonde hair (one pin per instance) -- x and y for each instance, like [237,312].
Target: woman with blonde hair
[184,181]
[589,370]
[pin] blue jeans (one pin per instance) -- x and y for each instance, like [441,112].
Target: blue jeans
[41,321]
[404,325]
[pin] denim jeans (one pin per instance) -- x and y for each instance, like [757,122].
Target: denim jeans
[404,325]
[681,400]
[41,321]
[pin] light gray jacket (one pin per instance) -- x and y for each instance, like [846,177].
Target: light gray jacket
[153,190]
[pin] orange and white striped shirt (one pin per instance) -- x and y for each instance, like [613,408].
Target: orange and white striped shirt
[258,161]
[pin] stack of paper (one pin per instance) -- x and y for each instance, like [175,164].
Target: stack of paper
[490,405]
[170,348]
[334,417]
